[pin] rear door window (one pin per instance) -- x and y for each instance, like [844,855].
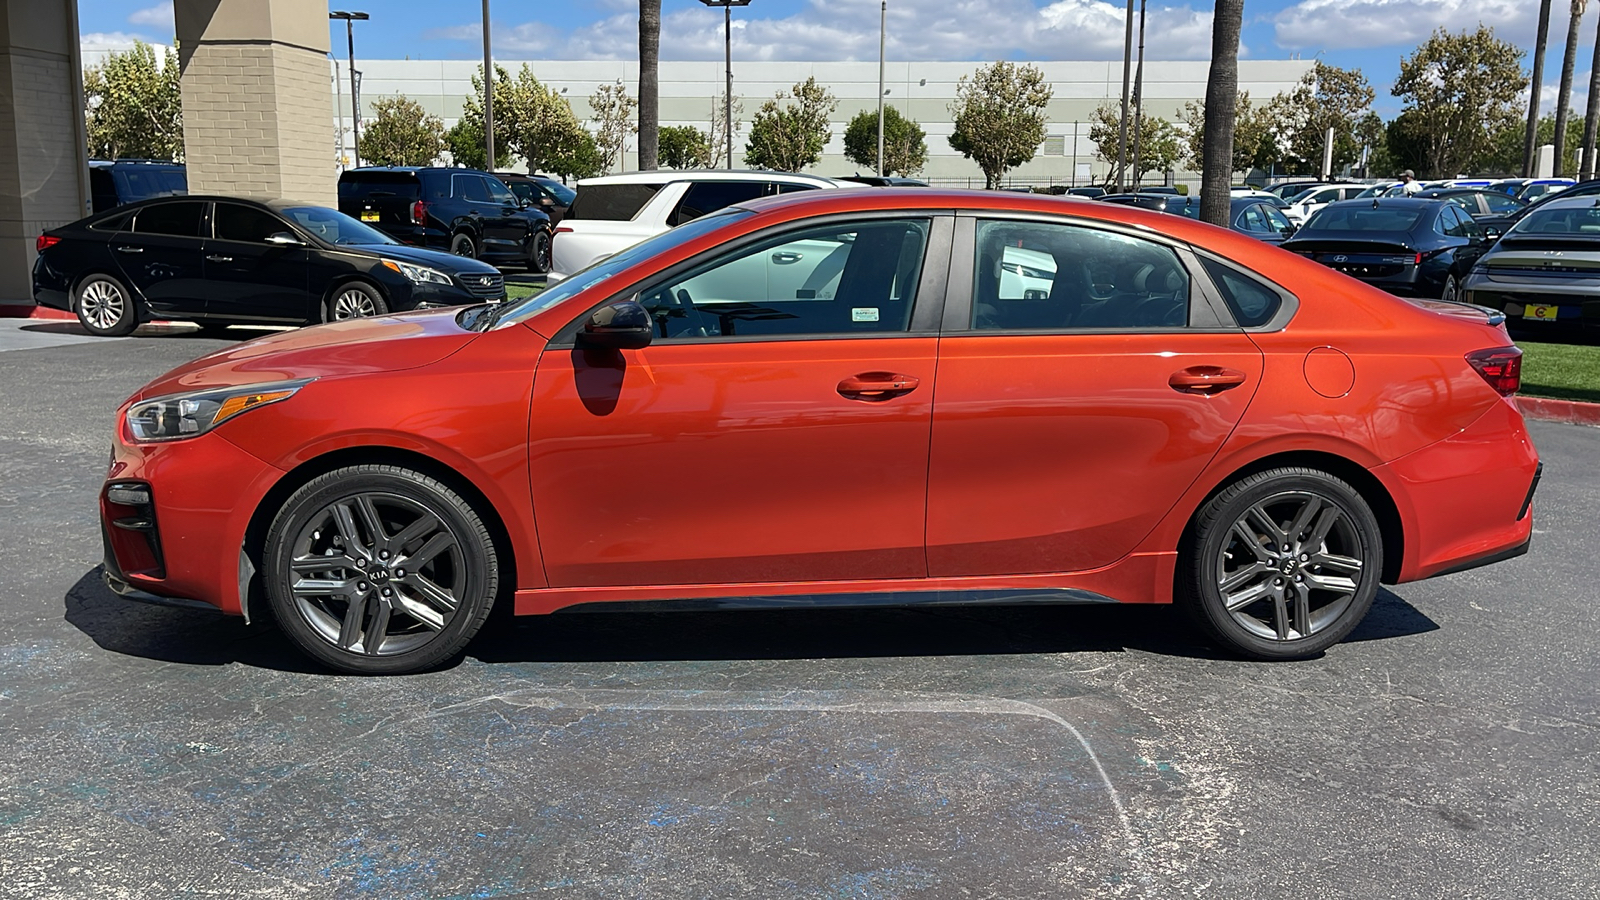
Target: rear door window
[178,219]
[611,202]
[469,187]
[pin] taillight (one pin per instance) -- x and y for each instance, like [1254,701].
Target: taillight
[45,242]
[1500,366]
[1417,261]
[562,229]
[419,213]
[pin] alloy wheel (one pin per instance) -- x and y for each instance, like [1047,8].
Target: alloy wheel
[378,574]
[1290,566]
[101,304]
[353,304]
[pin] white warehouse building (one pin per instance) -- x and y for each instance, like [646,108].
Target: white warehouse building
[922,91]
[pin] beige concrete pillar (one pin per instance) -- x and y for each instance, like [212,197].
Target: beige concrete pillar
[256,99]
[44,175]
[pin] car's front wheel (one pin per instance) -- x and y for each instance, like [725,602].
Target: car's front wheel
[105,307]
[1282,564]
[380,570]
[355,301]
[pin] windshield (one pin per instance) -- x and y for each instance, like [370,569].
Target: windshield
[1361,217]
[1572,221]
[335,227]
[584,279]
[563,194]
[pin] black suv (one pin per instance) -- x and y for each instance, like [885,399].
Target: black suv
[547,193]
[115,182]
[465,211]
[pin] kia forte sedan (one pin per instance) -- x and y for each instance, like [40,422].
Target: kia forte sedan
[840,397]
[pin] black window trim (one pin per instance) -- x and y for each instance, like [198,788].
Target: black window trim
[932,285]
[1210,315]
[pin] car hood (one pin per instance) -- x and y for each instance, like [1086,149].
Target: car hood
[438,259]
[353,347]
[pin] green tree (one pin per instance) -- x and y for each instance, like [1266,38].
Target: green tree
[541,126]
[580,159]
[613,119]
[1159,146]
[401,133]
[134,105]
[905,148]
[1460,90]
[1505,155]
[1252,142]
[716,134]
[1326,97]
[465,138]
[788,133]
[685,147]
[999,117]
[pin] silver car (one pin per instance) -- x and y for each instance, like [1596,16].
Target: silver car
[1545,271]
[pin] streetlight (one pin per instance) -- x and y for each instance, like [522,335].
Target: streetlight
[883,16]
[488,95]
[727,43]
[350,18]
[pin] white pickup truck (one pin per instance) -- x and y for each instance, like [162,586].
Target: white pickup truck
[614,212]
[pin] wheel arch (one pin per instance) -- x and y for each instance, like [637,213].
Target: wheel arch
[338,282]
[1390,523]
[253,597]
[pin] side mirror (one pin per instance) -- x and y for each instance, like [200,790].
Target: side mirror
[624,325]
[285,239]
[1491,233]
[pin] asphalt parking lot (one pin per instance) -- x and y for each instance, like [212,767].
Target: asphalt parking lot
[1447,750]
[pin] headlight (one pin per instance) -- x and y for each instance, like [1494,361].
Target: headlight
[418,274]
[181,416]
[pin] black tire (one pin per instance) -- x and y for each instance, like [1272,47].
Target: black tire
[463,245]
[1451,289]
[539,251]
[1264,583]
[368,522]
[353,300]
[105,307]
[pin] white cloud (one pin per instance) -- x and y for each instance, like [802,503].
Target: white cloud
[1354,24]
[848,29]
[160,14]
[119,41]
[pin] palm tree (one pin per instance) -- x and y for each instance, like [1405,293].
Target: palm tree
[1531,144]
[649,81]
[1564,98]
[1222,102]
[1591,115]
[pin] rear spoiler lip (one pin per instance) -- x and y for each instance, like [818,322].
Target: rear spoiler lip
[1494,316]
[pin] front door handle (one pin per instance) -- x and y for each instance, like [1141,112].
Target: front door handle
[786,256]
[877,386]
[126,249]
[1205,380]
[215,258]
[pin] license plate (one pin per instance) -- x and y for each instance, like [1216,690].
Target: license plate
[1540,313]
[367,216]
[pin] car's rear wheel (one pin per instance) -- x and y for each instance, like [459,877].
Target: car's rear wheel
[380,570]
[463,245]
[1282,564]
[355,301]
[105,307]
[1452,289]
[539,252]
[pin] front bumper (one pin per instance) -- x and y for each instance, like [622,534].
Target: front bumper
[203,493]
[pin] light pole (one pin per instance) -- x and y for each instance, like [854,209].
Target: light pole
[488,95]
[1127,66]
[350,18]
[883,15]
[727,44]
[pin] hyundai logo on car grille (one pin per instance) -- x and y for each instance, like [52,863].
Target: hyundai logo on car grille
[486,280]
[1341,259]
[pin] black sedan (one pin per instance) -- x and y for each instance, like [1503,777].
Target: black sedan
[1480,203]
[223,261]
[1411,247]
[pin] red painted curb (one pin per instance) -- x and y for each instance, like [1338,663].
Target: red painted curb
[1572,412]
[24,311]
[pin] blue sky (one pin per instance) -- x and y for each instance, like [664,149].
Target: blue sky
[1370,34]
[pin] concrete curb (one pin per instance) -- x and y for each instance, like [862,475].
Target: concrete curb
[29,311]
[1571,412]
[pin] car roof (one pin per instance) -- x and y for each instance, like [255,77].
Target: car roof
[669,176]
[1563,201]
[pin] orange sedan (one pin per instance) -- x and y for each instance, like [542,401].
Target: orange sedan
[846,397]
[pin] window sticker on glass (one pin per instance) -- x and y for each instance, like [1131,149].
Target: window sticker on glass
[864,314]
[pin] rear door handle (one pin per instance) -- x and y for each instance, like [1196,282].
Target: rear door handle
[1205,380]
[215,258]
[877,386]
[127,249]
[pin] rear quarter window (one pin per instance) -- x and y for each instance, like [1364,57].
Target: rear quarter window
[611,202]
[1252,302]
